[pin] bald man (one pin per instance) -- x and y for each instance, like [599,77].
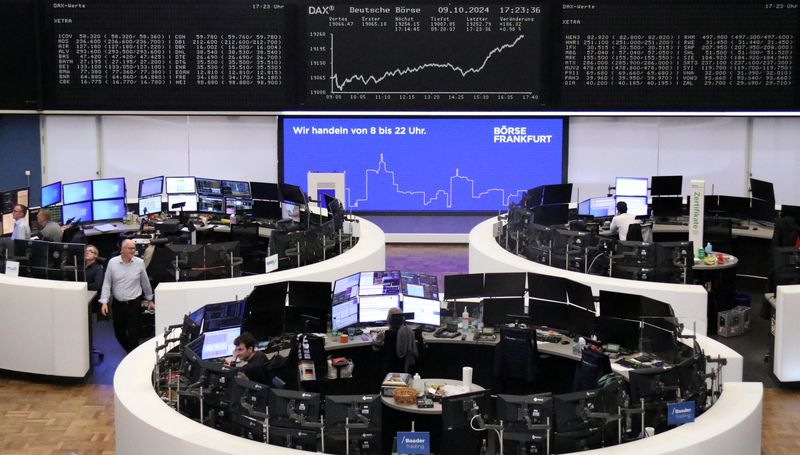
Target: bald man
[127,284]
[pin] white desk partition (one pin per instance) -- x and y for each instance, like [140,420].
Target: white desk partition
[145,424]
[45,326]
[174,300]
[688,301]
[786,360]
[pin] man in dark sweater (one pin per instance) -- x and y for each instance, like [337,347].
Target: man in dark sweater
[249,361]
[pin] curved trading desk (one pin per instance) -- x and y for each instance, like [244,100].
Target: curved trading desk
[145,424]
[45,327]
[689,302]
[174,300]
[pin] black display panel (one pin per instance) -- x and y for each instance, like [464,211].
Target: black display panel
[165,54]
[19,55]
[678,54]
[443,55]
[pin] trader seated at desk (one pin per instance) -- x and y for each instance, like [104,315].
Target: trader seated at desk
[251,363]
[623,220]
[50,230]
[399,337]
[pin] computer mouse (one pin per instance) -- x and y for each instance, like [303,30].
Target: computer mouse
[365,337]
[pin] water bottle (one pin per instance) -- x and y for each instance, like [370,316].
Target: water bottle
[708,249]
[465,321]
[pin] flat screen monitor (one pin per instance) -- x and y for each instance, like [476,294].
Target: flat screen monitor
[264,311]
[359,409]
[81,211]
[108,188]
[463,286]
[667,207]
[234,205]
[8,223]
[734,207]
[458,412]
[77,192]
[151,187]
[290,211]
[310,294]
[762,210]
[571,409]
[223,315]
[509,284]
[189,201]
[426,311]
[344,314]
[631,186]
[265,191]
[557,194]
[523,410]
[547,287]
[208,187]
[108,209]
[283,402]
[376,283]
[637,206]
[267,210]
[623,332]
[662,383]
[535,197]
[51,194]
[760,189]
[150,205]
[496,311]
[211,204]
[598,207]
[219,343]
[666,185]
[374,308]
[346,288]
[419,285]
[234,188]
[548,215]
[181,185]
[659,341]
[791,210]
[632,306]
[293,194]
[566,317]
[581,295]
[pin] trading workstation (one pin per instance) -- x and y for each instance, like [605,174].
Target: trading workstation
[556,324]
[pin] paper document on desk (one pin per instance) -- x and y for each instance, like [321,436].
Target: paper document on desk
[104,227]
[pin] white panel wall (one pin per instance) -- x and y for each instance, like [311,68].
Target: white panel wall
[69,151]
[776,156]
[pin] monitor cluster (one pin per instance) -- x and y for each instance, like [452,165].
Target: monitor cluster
[89,200]
[45,260]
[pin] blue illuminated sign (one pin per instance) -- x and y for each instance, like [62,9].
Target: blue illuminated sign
[680,413]
[413,443]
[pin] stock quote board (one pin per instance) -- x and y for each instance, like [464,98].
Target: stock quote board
[165,54]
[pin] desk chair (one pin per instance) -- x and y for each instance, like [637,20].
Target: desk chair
[635,232]
[515,359]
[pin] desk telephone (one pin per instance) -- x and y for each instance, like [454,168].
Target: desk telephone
[486,334]
[449,331]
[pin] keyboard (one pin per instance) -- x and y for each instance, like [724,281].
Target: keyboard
[545,338]
[443,333]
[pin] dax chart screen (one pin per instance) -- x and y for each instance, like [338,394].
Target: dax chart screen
[426,164]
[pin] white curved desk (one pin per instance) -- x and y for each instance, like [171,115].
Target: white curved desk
[174,300]
[688,301]
[145,424]
[45,326]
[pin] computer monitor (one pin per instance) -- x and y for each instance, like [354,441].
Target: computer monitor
[219,343]
[561,316]
[238,189]
[294,438]
[667,207]
[208,187]
[632,252]
[786,263]
[661,383]
[622,332]
[211,204]
[264,311]
[265,191]
[344,314]
[150,205]
[791,210]
[522,410]
[293,194]
[151,187]
[666,185]
[77,192]
[547,287]
[631,186]
[637,206]
[760,189]
[267,210]
[659,340]
[762,210]
[535,197]
[426,311]
[8,223]
[189,202]
[374,308]
[108,209]
[290,211]
[463,286]
[292,408]
[80,211]
[496,311]
[620,305]
[51,194]
[551,214]
[578,410]
[598,207]
[580,294]
[419,285]
[733,207]
[223,315]
[557,194]
[381,282]
[345,289]
[234,205]
[181,185]
[108,188]
[458,416]
[509,284]
[363,411]
[310,294]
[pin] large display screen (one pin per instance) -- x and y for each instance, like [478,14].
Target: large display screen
[427,164]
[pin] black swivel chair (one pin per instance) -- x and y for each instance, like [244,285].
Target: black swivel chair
[515,361]
[635,232]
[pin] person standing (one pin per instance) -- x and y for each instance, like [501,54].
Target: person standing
[127,284]
[21,229]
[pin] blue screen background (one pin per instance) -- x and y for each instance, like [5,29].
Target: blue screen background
[108,188]
[112,209]
[51,194]
[456,165]
[77,192]
[80,211]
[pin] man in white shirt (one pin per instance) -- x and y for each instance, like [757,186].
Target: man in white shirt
[21,229]
[127,283]
[621,222]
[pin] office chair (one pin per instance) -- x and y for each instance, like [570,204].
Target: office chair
[635,232]
[515,359]
[327,239]
[590,369]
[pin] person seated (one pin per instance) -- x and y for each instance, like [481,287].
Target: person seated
[94,270]
[50,230]
[621,222]
[405,342]
[251,363]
